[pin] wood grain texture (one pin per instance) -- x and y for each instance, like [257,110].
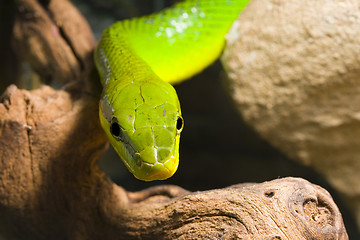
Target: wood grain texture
[52,188]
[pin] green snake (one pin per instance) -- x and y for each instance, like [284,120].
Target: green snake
[138,60]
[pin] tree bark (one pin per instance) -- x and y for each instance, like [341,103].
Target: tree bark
[52,188]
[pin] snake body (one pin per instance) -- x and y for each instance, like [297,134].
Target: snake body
[137,59]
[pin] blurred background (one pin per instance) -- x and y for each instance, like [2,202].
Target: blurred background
[217,148]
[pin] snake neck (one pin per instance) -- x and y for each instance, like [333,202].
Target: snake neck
[175,43]
[116,60]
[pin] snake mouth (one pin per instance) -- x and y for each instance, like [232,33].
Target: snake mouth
[149,171]
[146,162]
[157,171]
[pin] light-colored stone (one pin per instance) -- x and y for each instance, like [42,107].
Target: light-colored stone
[294,74]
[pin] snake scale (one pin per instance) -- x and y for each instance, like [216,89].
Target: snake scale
[138,60]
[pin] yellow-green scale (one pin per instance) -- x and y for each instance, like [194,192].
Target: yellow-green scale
[136,59]
[183,40]
[145,107]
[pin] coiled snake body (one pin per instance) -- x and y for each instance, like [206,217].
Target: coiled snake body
[137,60]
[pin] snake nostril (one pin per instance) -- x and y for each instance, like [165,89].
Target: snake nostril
[138,160]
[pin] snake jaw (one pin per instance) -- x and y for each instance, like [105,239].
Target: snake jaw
[158,171]
[146,171]
[155,167]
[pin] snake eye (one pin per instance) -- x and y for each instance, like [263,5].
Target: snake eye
[179,123]
[115,130]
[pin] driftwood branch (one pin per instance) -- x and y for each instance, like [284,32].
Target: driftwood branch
[54,38]
[52,188]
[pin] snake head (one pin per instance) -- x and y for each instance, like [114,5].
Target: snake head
[143,122]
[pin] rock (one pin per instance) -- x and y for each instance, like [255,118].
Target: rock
[293,73]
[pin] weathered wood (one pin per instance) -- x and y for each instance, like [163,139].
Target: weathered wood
[52,188]
[54,38]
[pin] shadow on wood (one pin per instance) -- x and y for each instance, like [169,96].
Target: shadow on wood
[52,188]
